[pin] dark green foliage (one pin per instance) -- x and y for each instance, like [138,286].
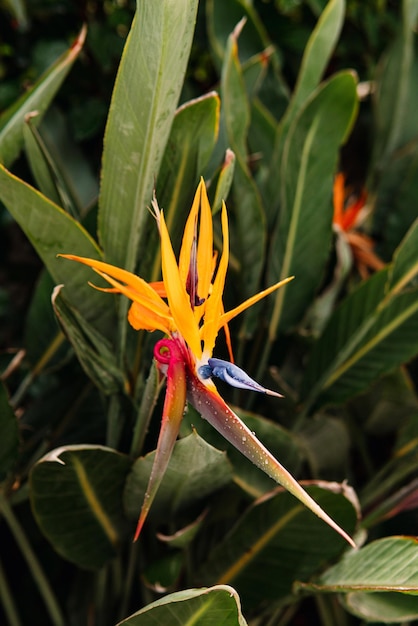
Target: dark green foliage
[270,111]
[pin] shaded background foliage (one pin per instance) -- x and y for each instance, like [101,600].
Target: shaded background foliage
[368,439]
[33,34]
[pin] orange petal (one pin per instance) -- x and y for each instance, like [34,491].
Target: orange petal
[351,213]
[229,315]
[214,305]
[142,318]
[339,196]
[135,289]
[189,234]
[177,296]
[205,246]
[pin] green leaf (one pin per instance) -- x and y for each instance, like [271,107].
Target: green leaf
[405,261]
[316,56]
[315,60]
[386,608]
[216,606]
[281,443]
[224,181]
[189,147]
[9,440]
[393,176]
[184,536]
[94,352]
[278,541]
[261,132]
[373,331]
[388,565]
[76,496]
[43,339]
[394,205]
[195,470]
[249,214]
[326,444]
[396,94]
[42,166]
[38,98]
[60,169]
[302,239]
[142,109]
[163,573]
[222,17]
[51,231]
[382,341]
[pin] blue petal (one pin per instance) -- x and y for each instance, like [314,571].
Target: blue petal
[233,375]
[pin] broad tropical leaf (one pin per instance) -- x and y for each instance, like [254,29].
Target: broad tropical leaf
[249,214]
[38,98]
[190,144]
[374,330]
[262,554]
[94,352]
[302,239]
[282,443]
[393,179]
[143,105]
[222,17]
[195,470]
[316,57]
[76,495]
[215,606]
[51,231]
[380,581]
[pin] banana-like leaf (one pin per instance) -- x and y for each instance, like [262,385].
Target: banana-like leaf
[94,352]
[278,541]
[373,331]
[41,164]
[142,109]
[60,169]
[221,19]
[76,496]
[51,231]
[393,175]
[207,607]
[195,470]
[190,144]
[249,214]
[315,60]
[301,243]
[282,443]
[380,581]
[316,57]
[224,181]
[405,261]
[38,98]
[395,99]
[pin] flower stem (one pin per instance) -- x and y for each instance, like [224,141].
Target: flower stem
[7,601]
[114,422]
[149,399]
[51,350]
[35,567]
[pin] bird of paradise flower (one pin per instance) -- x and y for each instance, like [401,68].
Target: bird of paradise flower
[187,306]
[348,217]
